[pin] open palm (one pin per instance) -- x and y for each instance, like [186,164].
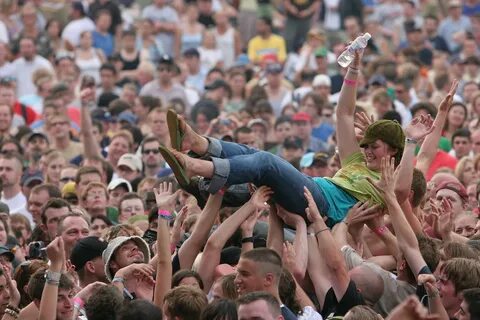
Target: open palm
[419,127]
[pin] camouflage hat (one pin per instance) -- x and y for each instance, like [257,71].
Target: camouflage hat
[388,131]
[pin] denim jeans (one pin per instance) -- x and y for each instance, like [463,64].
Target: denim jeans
[237,164]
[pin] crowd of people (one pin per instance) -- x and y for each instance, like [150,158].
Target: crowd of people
[210,160]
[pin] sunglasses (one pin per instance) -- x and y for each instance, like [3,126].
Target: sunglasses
[154,151]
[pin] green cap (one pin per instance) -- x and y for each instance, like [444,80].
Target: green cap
[321,52]
[388,131]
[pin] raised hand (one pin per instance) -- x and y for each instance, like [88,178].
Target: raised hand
[361,122]
[411,309]
[386,184]
[12,289]
[313,214]
[260,198]
[165,197]
[248,225]
[443,222]
[447,101]
[87,96]
[86,292]
[56,253]
[288,256]
[420,127]
[289,218]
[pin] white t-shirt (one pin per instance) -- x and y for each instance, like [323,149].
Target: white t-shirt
[18,204]
[23,71]
[3,33]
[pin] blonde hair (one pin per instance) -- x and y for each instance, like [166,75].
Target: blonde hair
[461,167]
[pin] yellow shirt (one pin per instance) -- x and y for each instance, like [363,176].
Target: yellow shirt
[352,179]
[258,47]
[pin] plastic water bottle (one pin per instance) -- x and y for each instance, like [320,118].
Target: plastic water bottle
[348,55]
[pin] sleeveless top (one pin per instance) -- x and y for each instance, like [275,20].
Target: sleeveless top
[90,67]
[226,43]
[130,64]
[190,41]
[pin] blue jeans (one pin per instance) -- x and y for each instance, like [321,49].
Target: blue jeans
[236,164]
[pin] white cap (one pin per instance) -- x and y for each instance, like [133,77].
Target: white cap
[367,36]
[115,183]
[130,160]
[321,80]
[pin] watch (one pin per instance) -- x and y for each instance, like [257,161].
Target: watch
[52,276]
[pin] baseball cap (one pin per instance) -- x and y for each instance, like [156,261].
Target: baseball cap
[217,83]
[116,243]
[312,158]
[131,161]
[166,59]
[29,178]
[85,250]
[101,114]
[454,3]
[320,52]
[301,117]
[4,251]
[377,80]
[34,135]
[192,52]
[4,208]
[115,183]
[273,68]
[321,80]
[128,116]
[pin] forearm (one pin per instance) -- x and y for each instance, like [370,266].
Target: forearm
[436,307]
[348,94]
[403,183]
[428,150]
[339,233]
[412,218]
[390,242]
[91,147]
[405,236]
[164,263]
[275,233]
[189,250]
[301,256]
[248,245]
[48,302]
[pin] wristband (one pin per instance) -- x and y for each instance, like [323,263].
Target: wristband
[11,307]
[11,313]
[165,214]
[78,303]
[247,239]
[410,141]
[349,82]
[118,279]
[380,231]
[320,231]
[221,191]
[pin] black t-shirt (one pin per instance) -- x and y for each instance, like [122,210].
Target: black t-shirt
[350,299]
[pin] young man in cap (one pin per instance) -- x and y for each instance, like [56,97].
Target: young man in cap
[86,257]
[116,189]
[126,266]
[129,167]
[315,164]
[6,259]
[164,87]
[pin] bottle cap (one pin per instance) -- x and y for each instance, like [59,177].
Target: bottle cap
[367,36]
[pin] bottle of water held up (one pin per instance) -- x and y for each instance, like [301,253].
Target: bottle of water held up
[348,55]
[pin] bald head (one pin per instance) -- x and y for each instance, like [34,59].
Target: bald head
[368,282]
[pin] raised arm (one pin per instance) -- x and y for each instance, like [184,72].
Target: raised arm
[330,253]
[407,241]
[414,133]
[300,241]
[90,145]
[192,246]
[428,150]
[211,254]
[166,201]
[275,234]
[48,303]
[346,140]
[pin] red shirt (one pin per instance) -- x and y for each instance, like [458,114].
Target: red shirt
[441,160]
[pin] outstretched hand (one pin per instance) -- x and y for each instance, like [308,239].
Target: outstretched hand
[313,214]
[420,127]
[447,101]
[361,122]
[386,184]
[165,197]
[260,198]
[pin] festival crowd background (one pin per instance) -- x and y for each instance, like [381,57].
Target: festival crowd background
[93,224]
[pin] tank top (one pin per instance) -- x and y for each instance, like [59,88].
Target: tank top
[190,41]
[130,64]
[90,67]
[226,43]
